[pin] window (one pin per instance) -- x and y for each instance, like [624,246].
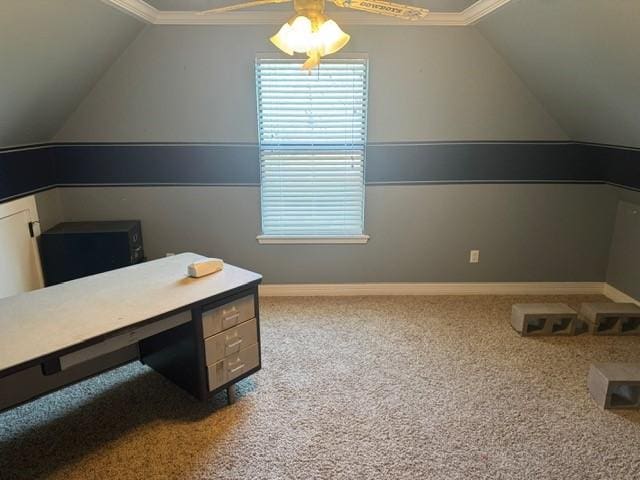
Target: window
[312,130]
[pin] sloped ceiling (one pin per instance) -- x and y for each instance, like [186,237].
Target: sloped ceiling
[52,53]
[581,58]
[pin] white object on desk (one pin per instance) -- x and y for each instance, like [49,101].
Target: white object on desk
[204,267]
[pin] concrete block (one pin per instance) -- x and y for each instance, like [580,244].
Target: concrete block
[610,318]
[615,385]
[581,326]
[537,319]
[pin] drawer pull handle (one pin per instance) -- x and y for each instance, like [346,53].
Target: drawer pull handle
[234,344]
[233,316]
[239,367]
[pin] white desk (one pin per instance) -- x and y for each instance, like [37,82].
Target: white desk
[59,335]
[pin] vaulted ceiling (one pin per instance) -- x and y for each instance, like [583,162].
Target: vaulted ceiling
[51,54]
[578,57]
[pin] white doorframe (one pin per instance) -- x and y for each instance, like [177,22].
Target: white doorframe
[28,205]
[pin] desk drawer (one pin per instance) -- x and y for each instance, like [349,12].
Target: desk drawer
[230,341]
[233,366]
[227,316]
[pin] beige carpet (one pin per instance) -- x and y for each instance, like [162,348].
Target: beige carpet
[366,387]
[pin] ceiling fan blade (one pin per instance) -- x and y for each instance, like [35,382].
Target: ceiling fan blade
[382,7]
[239,6]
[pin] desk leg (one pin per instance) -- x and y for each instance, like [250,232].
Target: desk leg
[231,394]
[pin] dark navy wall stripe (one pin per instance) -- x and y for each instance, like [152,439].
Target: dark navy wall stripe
[175,164]
[24,171]
[622,166]
[478,162]
[30,169]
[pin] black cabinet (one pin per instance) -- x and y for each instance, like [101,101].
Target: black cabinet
[72,250]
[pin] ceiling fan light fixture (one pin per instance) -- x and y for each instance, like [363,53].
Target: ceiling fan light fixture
[316,37]
[310,32]
[332,37]
[294,36]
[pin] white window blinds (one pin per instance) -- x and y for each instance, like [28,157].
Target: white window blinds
[312,128]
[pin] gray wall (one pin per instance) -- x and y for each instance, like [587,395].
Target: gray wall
[52,53]
[49,205]
[427,84]
[623,271]
[419,233]
[197,84]
[580,58]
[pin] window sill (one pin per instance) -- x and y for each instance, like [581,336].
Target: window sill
[311,240]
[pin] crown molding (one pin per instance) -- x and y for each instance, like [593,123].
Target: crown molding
[277,17]
[147,13]
[136,8]
[480,9]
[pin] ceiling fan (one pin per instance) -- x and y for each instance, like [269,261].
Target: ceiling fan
[310,31]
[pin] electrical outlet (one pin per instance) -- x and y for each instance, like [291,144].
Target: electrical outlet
[474,256]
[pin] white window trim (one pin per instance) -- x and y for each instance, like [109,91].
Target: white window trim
[268,239]
[311,239]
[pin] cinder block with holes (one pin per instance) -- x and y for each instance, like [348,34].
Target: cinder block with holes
[609,318]
[615,385]
[531,319]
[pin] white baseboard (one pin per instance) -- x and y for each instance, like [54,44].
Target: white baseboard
[481,288]
[617,296]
